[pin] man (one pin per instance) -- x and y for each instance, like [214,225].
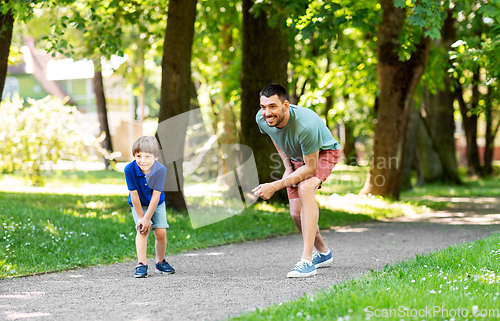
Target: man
[309,153]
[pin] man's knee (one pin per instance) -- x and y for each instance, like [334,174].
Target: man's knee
[309,186]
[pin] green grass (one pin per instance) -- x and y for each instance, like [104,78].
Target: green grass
[347,180]
[47,232]
[463,276]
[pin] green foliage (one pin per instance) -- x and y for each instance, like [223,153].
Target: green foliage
[44,131]
[477,52]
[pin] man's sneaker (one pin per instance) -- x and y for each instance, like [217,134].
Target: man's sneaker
[320,260]
[164,268]
[302,269]
[141,270]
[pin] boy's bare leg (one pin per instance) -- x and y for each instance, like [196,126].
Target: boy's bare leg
[141,245]
[160,243]
[296,213]
[309,214]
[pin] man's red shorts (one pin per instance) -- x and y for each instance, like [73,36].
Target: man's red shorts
[327,160]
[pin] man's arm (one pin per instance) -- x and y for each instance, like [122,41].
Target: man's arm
[284,157]
[266,191]
[304,172]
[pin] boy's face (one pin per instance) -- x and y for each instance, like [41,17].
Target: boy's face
[145,161]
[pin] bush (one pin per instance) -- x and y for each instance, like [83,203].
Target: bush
[44,130]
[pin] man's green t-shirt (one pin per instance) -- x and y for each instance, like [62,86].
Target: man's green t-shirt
[304,134]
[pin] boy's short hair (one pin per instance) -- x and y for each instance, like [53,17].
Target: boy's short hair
[146,144]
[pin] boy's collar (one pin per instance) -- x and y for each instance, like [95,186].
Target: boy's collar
[140,173]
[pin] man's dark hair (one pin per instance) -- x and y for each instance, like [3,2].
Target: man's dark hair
[275,89]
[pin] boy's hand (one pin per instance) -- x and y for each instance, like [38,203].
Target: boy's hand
[146,227]
[143,226]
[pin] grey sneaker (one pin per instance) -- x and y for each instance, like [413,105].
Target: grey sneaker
[320,260]
[302,269]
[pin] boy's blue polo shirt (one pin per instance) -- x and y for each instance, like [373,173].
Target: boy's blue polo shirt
[145,184]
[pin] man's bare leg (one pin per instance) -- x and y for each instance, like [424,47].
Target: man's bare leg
[309,214]
[296,213]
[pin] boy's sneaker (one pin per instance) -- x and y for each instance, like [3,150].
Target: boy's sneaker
[320,260]
[302,269]
[141,270]
[164,268]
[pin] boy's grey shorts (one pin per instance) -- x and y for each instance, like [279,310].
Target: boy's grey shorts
[159,218]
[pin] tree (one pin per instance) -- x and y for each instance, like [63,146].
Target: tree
[438,107]
[6,27]
[397,81]
[217,61]
[80,32]
[476,70]
[176,82]
[264,61]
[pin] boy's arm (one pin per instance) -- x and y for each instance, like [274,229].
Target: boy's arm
[146,222]
[136,202]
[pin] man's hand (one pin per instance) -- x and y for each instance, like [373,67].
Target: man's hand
[265,191]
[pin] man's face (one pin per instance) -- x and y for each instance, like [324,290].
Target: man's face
[273,110]
[145,161]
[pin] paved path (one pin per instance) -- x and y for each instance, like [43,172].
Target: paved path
[224,281]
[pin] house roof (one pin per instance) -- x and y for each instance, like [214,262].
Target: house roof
[35,62]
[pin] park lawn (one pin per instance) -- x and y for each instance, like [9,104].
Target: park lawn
[348,181]
[459,283]
[43,232]
[48,231]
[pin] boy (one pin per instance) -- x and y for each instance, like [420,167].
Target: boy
[145,178]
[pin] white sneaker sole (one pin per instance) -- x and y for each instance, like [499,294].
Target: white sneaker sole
[296,274]
[161,272]
[326,263]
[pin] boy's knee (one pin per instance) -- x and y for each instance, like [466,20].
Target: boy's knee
[160,233]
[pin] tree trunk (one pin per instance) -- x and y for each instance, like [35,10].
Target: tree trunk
[469,121]
[440,110]
[397,81]
[176,85]
[411,141]
[228,118]
[6,26]
[429,161]
[264,61]
[491,132]
[102,111]
[350,154]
